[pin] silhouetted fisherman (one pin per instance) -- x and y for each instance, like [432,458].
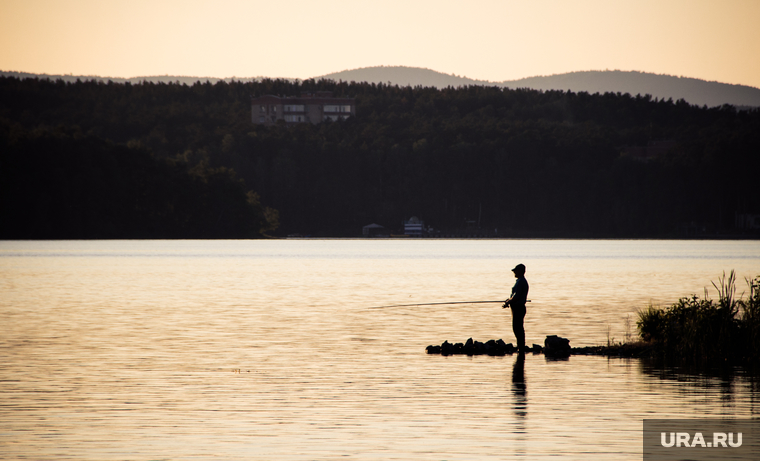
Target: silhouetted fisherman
[517,302]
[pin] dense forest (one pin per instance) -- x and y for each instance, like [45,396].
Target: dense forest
[105,160]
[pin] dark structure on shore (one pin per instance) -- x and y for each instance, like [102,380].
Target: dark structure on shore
[308,108]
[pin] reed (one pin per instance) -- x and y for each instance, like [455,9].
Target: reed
[701,331]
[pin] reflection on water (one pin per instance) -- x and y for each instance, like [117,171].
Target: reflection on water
[519,389]
[115,350]
[726,383]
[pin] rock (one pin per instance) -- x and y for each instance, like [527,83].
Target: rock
[469,347]
[537,349]
[554,346]
[433,349]
[493,348]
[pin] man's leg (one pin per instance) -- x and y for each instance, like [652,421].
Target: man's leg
[518,315]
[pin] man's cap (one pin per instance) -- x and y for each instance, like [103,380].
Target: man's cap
[519,268]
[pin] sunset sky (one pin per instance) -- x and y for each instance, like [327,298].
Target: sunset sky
[493,40]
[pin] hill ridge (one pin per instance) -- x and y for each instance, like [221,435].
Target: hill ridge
[693,90]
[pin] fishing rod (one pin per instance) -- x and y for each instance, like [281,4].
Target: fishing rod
[438,304]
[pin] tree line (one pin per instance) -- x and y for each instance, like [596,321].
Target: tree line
[523,162]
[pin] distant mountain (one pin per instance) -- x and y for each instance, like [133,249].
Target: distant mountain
[694,91]
[404,76]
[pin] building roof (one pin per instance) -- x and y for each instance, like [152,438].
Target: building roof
[308,99]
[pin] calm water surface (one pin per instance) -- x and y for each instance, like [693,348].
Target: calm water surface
[113,350]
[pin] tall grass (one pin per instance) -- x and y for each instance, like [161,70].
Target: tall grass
[698,330]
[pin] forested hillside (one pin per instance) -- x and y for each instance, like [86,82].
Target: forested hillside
[525,162]
[692,90]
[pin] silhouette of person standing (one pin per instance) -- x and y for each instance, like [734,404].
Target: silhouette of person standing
[516,302]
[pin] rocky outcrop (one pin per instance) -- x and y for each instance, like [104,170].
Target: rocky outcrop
[554,346]
[493,347]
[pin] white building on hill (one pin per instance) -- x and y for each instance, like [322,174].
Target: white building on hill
[414,226]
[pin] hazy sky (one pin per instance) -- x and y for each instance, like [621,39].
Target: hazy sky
[482,39]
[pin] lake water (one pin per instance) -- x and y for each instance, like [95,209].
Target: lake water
[217,350]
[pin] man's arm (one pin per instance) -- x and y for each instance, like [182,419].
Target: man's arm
[511,296]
